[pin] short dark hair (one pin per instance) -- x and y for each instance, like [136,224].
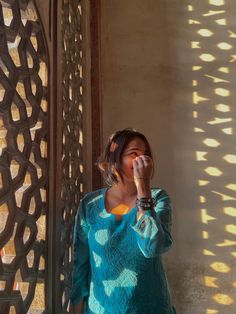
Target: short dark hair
[109,163]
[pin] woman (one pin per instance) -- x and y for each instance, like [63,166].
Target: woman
[120,235]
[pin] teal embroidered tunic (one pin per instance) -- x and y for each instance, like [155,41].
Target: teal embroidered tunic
[118,263]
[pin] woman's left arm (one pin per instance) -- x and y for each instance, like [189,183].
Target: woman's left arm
[153,227]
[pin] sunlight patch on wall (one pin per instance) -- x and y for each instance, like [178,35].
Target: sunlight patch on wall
[231,186]
[211,282]
[222,92]
[205,32]
[224,46]
[208,252]
[231,229]
[210,311]
[201,156]
[213,171]
[203,182]
[211,142]
[205,216]
[217,2]
[222,108]
[230,158]
[220,267]
[231,211]
[205,234]
[223,299]
[207,57]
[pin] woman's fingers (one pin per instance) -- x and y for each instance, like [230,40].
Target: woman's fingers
[143,160]
[139,160]
[142,166]
[146,160]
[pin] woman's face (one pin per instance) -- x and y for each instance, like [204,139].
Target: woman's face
[134,148]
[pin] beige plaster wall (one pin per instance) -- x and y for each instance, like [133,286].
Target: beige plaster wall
[168,69]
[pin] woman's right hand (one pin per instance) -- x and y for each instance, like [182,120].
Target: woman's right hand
[143,168]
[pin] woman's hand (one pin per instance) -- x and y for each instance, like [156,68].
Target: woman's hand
[143,169]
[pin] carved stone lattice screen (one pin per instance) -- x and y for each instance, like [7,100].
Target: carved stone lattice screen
[72,161]
[37,210]
[23,158]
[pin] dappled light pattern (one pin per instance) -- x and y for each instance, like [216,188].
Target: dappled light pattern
[104,214]
[23,158]
[127,278]
[97,259]
[94,304]
[101,236]
[214,52]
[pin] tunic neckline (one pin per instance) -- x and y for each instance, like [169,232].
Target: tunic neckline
[104,190]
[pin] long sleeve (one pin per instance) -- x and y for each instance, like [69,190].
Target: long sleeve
[153,229]
[81,268]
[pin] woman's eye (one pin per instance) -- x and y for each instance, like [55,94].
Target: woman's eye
[134,154]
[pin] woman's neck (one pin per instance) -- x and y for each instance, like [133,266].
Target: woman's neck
[124,190]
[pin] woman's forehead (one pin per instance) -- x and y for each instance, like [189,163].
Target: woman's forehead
[136,143]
